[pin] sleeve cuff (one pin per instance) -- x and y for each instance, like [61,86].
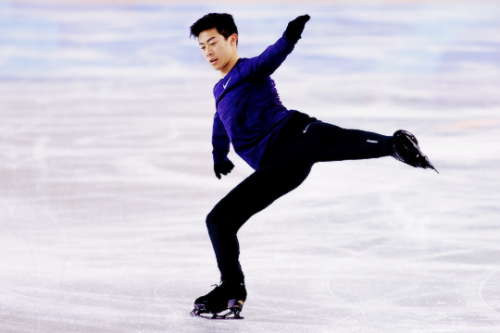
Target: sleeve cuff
[288,41]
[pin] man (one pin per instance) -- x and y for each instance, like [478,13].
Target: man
[281,145]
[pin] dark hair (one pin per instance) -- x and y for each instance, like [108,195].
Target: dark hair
[224,23]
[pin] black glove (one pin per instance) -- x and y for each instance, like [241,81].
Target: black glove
[295,28]
[223,168]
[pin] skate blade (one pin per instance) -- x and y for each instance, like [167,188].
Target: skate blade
[426,163]
[433,168]
[228,314]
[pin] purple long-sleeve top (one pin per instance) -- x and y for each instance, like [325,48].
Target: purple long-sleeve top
[249,111]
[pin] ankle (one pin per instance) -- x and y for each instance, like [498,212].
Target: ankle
[389,146]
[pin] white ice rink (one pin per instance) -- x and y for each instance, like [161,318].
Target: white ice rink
[106,171]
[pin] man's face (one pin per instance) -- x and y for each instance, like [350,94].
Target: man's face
[217,50]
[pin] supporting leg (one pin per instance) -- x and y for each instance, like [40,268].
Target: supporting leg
[251,196]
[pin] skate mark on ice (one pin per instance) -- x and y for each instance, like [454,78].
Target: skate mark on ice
[36,328]
[345,318]
[442,254]
[64,305]
[357,254]
[362,308]
[301,311]
[453,330]
[330,290]
[14,322]
[32,255]
[172,321]
[481,286]
[405,289]
[271,311]
[158,298]
[40,156]
[358,309]
[51,302]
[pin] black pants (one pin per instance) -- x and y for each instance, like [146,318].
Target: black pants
[302,142]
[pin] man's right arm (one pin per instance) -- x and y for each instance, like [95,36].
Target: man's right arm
[220,143]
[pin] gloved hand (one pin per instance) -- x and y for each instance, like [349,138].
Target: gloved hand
[223,168]
[295,28]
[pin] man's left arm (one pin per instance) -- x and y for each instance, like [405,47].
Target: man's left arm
[265,64]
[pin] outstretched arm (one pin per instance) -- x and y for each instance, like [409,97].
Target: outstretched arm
[265,64]
[295,28]
[220,143]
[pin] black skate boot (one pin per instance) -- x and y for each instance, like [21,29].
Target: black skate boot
[406,150]
[224,302]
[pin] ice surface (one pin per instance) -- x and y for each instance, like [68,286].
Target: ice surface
[106,171]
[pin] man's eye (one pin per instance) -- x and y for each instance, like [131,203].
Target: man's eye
[212,44]
[203,48]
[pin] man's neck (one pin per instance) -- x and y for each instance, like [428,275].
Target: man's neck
[224,71]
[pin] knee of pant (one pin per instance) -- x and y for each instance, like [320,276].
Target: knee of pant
[214,219]
[218,219]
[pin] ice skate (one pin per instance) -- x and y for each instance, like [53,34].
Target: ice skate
[406,150]
[224,302]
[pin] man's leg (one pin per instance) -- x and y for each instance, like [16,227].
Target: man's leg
[323,142]
[252,195]
[305,139]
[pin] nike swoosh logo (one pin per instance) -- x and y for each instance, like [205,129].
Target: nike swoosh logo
[304,131]
[225,85]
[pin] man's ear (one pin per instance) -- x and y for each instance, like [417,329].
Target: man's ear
[234,39]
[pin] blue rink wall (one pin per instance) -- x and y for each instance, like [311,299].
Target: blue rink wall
[106,172]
